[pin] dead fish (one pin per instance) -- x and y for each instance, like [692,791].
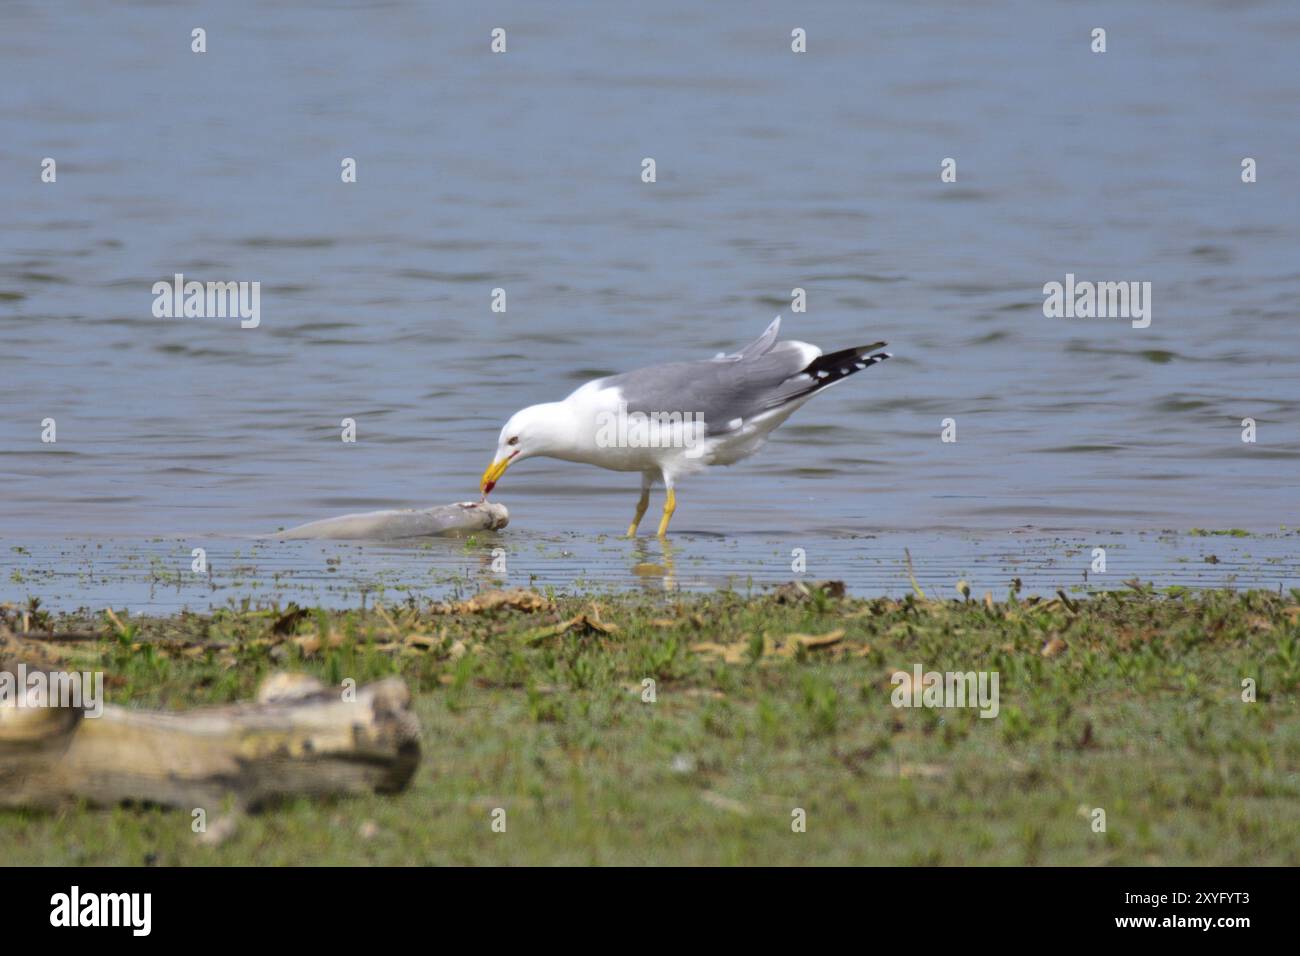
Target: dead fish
[460,518]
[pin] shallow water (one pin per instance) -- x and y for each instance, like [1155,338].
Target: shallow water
[522,171]
[155,575]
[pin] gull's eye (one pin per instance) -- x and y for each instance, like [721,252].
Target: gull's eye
[513,441]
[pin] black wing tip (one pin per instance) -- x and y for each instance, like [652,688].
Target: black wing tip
[835,366]
[832,368]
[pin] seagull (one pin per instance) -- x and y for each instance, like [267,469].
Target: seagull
[668,421]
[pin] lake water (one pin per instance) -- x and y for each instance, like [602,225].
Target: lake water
[523,171]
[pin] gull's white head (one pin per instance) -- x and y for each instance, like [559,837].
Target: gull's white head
[535,430]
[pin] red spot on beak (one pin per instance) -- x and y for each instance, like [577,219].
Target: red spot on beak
[494,471]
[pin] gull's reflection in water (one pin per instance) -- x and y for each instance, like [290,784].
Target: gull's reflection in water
[653,566]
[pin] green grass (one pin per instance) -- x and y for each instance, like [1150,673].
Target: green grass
[1135,708]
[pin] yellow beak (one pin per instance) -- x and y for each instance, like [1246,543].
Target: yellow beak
[493,474]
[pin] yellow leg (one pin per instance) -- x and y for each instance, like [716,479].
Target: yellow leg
[641,506]
[670,505]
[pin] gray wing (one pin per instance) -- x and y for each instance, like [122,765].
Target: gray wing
[760,346]
[723,391]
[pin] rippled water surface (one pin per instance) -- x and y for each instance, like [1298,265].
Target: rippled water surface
[522,171]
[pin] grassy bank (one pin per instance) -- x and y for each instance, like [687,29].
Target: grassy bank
[1129,703]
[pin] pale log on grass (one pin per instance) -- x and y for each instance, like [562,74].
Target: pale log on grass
[297,739]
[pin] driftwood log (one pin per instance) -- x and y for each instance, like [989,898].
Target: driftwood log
[297,738]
